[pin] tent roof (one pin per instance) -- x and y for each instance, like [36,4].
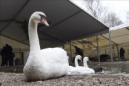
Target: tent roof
[119,35]
[126,25]
[68,22]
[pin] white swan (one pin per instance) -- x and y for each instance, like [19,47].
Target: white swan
[83,69]
[78,70]
[74,70]
[85,59]
[46,63]
[78,57]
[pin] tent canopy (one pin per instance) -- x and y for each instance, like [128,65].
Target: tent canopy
[119,36]
[67,22]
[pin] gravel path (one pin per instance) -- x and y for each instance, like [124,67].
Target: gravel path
[18,79]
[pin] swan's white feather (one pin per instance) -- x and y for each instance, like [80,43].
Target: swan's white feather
[79,70]
[90,70]
[46,63]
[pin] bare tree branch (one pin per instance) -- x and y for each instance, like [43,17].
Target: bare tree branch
[101,13]
[112,20]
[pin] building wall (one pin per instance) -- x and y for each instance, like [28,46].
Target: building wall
[13,43]
[92,52]
[18,48]
[126,47]
[106,50]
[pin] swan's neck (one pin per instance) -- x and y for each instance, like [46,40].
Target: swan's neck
[76,62]
[85,63]
[33,36]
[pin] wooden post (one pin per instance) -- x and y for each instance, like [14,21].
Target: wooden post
[110,45]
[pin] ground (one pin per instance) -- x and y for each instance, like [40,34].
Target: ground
[18,79]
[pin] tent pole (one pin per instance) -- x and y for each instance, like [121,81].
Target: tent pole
[63,46]
[110,46]
[70,49]
[83,47]
[98,56]
[70,58]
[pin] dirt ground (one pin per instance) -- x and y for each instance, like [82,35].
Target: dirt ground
[18,79]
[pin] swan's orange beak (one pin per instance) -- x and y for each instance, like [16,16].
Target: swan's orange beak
[44,21]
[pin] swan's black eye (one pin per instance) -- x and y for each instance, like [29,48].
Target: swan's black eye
[42,16]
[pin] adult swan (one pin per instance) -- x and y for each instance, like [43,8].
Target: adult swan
[46,63]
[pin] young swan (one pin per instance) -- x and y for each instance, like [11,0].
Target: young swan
[85,60]
[75,70]
[78,70]
[78,57]
[43,63]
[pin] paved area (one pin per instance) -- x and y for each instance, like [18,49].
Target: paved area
[18,79]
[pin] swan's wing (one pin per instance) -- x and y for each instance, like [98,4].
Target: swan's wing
[85,71]
[54,55]
[73,71]
[89,70]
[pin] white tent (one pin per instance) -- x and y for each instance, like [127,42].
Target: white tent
[119,38]
[67,21]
